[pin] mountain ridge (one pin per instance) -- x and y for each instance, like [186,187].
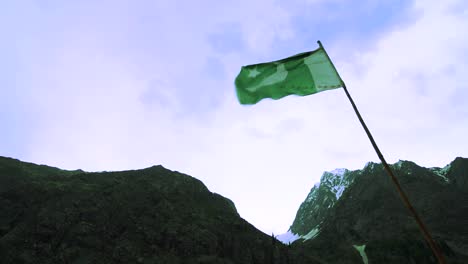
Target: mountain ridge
[370,212]
[155,215]
[336,181]
[152,215]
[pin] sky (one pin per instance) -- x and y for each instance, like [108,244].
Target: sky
[116,85]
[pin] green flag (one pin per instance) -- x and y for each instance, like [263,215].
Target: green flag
[303,74]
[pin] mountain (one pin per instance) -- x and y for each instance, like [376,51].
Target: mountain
[152,215]
[357,216]
[321,198]
[156,215]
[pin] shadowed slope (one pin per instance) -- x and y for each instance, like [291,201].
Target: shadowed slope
[152,215]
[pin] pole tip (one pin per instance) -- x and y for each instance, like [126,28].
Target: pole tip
[320,43]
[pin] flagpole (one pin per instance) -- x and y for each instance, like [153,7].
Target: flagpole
[435,249]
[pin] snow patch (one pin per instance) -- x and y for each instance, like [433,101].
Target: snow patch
[398,164]
[442,172]
[338,172]
[338,183]
[446,169]
[338,190]
[288,237]
[363,254]
[312,234]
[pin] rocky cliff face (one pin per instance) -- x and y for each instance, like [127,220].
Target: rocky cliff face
[152,215]
[321,198]
[370,216]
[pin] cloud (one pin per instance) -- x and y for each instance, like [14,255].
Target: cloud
[411,81]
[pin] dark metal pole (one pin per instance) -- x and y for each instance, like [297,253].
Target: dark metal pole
[403,196]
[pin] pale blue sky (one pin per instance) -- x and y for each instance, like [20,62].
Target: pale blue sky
[111,85]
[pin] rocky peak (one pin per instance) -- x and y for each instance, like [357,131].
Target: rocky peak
[320,199]
[370,214]
[457,171]
[324,195]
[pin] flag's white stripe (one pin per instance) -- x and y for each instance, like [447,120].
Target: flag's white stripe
[279,76]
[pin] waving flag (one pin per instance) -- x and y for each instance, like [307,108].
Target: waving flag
[303,74]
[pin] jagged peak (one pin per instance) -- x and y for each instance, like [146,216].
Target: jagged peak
[370,165]
[155,167]
[334,185]
[336,180]
[457,160]
[402,164]
[338,171]
[336,174]
[399,164]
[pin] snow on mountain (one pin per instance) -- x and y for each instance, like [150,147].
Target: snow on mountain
[312,234]
[350,208]
[338,190]
[321,198]
[441,172]
[336,181]
[338,172]
[361,249]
